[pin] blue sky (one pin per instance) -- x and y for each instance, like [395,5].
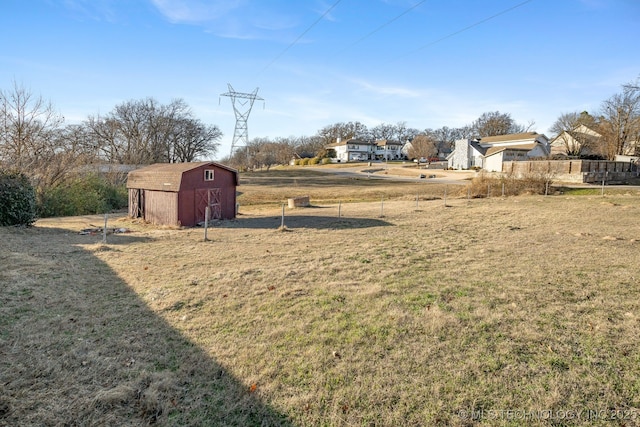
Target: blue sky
[430,63]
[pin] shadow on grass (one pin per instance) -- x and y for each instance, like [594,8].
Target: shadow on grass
[79,347]
[318,222]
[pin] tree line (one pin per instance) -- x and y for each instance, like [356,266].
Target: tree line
[266,152]
[36,143]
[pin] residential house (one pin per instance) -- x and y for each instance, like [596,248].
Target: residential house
[631,148]
[489,152]
[388,150]
[579,141]
[352,150]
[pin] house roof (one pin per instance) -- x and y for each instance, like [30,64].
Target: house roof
[336,144]
[520,147]
[577,136]
[349,141]
[383,142]
[480,149]
[167,176]
[510,137]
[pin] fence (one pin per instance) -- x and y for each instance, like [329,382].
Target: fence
[575,170]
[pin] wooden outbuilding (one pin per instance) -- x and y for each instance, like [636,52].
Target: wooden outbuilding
[179,193]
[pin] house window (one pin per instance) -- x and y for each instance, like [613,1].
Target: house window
[208,175]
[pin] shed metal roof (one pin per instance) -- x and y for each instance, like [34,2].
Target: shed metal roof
[167,176]
[525,136]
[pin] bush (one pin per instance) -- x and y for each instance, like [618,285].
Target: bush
[88,195]
[314,161]
[326,161]
[305,161]
[18,206]
[485,185]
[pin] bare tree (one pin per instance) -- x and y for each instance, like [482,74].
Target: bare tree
[423,146]
[29,134]
[465,132]
[384,131]
[496,123]
[144,131]
[331,133]
[408,134]
[398,132]
[74,150]
[620,121]
[268,154]
[577,132]
[191,139]
[305,146]
[445,135]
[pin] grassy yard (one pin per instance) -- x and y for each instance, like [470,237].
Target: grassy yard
[263,188]
[498,311]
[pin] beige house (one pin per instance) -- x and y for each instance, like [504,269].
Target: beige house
[577,142]
[490,152]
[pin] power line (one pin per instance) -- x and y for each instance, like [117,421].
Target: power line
[475,24]
[392,20]
[300,36]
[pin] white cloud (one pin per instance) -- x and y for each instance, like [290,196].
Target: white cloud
[385,90]
[96,10]
[237,19]
[195,11]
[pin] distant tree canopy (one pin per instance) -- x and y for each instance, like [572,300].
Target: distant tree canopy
[143,131]
[398,132]
[445,134]
[496,123]
[344,131]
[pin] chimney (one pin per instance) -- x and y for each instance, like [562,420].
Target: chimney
[338,140]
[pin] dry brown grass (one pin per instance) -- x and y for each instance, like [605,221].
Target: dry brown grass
[405,318]
[260,188]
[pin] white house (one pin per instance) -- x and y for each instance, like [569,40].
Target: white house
[388,150]
[489,152]
[353,150]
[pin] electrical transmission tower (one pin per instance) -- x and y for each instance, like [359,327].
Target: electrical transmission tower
[242,105]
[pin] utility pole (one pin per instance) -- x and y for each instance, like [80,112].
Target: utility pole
[242,105]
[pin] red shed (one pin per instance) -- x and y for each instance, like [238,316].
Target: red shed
[179,193]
